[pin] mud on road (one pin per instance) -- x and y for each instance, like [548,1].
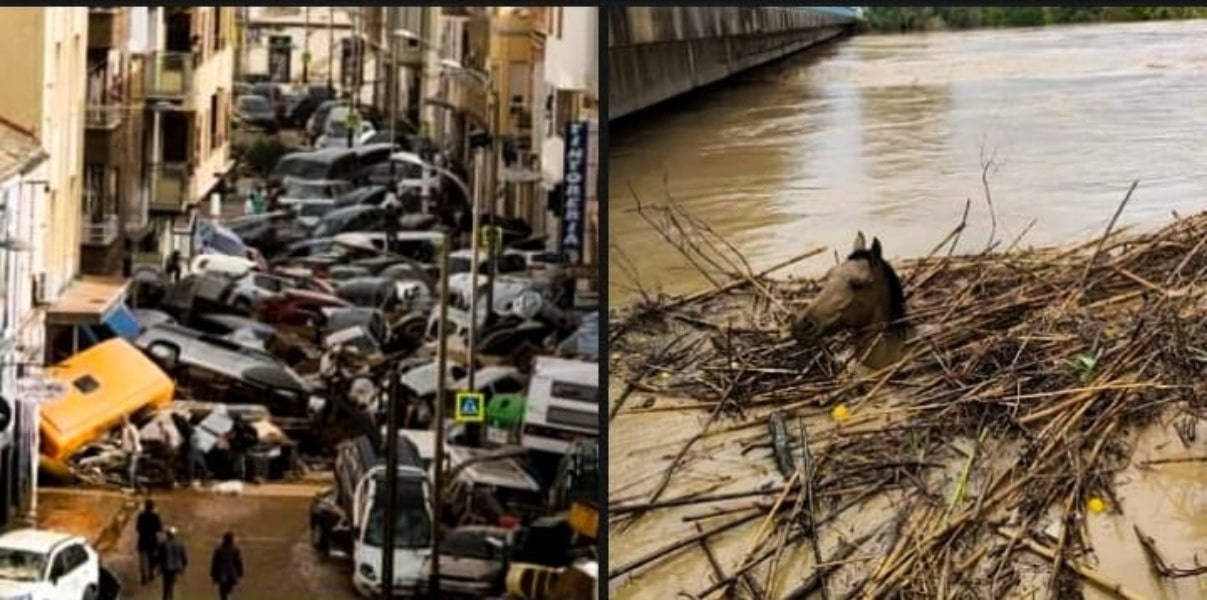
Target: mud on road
[271,525]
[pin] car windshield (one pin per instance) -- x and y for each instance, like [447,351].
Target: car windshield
[21,565]
[412,525]
[253,104]
[306,190]
[313,209]
[337,121]
[468,544]
[460,264]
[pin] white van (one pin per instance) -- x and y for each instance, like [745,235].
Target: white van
[562,405]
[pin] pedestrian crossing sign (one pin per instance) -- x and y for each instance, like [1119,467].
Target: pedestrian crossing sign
[471,408]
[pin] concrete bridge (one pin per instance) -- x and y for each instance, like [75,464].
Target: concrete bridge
[657,53]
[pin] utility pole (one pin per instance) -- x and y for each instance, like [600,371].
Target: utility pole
[306,50]
[441,401]
[331,51]
[492,189]
[391,485]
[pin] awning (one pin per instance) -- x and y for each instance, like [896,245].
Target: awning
[87,301]
[123,323]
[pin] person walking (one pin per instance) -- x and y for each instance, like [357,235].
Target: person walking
[173,560]
[173,267]
[132,447]
[226,566]
[149,526]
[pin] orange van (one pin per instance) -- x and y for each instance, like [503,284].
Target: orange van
[104,383]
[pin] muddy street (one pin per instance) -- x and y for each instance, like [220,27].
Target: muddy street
[270,524]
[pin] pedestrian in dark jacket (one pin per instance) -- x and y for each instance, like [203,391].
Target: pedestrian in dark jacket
[149,526]
[173,560]
[226,566]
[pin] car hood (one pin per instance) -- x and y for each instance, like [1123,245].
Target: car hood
[14,589]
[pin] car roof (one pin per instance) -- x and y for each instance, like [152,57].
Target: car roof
[35,540]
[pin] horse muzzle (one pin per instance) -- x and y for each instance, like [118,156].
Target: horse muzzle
[806,330]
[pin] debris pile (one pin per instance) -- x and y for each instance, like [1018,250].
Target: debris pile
[1019,397]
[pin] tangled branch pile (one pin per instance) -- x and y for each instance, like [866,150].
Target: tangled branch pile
[1046,362]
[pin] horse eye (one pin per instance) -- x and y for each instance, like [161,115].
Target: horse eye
[857,284]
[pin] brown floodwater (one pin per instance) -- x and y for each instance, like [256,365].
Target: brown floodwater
[886,134]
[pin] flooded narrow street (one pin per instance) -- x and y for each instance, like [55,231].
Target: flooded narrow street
[892,135]
[885,134]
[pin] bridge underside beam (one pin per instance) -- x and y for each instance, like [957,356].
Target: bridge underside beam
[643,75]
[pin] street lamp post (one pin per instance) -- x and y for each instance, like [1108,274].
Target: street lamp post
[391,504]
[483,188]
[331,51]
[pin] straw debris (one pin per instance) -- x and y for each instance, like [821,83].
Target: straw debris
[1027,377]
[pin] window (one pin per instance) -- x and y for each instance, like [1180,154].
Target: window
[510,263]
[574,391]
[508,386]
[215,122]
[86,384]
[219,41]
[557,415]
[269,283]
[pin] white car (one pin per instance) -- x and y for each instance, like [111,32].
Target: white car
[47,565]
[335,130]
[428,179]
[310,200]
[231,266]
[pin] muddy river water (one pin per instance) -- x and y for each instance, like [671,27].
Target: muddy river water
[888,135]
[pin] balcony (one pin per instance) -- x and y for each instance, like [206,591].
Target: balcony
[107,27]
[100,250]
[104,117]
[102,232]
[170,187]
[169,76]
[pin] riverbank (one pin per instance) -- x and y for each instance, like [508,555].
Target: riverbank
[902,19]
[1047,406]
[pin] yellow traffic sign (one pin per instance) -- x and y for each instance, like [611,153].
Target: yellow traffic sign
[490,237]
[471,408]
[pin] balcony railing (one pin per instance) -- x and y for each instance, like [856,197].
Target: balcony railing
[171,187]
[169,75]
[103,116]
[100,233]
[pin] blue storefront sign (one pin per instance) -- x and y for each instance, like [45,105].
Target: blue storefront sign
[574,191]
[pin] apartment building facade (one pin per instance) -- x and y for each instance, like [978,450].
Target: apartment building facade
[188,74]
[566,92]
[113,207]
[44,52]
[23,171]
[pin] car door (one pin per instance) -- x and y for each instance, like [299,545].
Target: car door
[68,577]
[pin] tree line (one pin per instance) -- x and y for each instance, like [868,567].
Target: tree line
[892,19]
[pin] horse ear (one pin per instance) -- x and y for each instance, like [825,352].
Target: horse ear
[860,243]
[876,248]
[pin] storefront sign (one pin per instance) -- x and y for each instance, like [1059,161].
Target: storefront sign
[574,191]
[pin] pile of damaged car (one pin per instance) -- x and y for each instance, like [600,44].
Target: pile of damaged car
[271,352]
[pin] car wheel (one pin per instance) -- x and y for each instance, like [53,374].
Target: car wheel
[318,537]
[91,593]
[243,305]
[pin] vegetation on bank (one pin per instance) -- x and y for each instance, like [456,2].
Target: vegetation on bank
[892,19]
